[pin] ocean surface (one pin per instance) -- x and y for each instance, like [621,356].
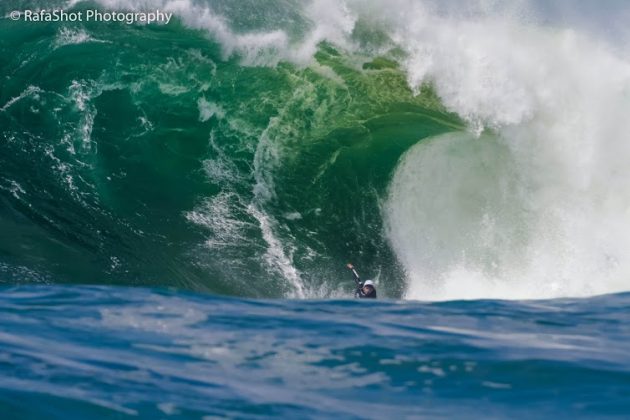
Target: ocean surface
[178,203]
[113,352]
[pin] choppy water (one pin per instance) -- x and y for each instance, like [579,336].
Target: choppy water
[106,352]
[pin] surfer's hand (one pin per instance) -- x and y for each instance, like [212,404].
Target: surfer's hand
[350,266]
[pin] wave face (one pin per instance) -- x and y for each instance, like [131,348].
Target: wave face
[450,149]
[109,352]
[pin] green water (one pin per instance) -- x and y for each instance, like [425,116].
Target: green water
[147,156]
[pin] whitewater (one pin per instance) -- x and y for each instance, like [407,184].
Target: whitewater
[538,206]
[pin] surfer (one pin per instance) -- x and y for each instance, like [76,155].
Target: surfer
[365,289]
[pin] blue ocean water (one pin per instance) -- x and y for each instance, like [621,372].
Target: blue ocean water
[107,352]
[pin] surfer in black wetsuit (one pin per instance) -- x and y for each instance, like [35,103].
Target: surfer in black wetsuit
[365,289]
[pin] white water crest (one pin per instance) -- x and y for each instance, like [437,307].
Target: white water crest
[328,20]
[539,206]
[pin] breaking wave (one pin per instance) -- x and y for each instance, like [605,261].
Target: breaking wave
[449,149]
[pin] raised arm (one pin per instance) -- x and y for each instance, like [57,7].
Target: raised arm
[357,279]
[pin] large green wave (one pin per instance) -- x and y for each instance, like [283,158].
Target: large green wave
[143,155]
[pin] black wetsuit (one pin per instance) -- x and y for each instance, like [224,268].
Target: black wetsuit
[359,292]
[361,295]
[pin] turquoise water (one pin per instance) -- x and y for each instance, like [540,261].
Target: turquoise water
[178,166]
[210,178]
